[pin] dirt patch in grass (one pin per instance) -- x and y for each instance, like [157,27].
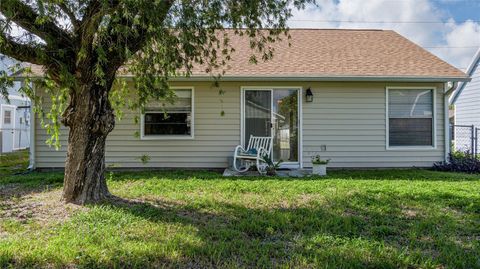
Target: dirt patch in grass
[411,212]
[307,199]
[42,205]
[9,190]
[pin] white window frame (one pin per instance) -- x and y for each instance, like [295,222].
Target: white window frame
[434,120]
[13,115]
[9,117]
[171,137]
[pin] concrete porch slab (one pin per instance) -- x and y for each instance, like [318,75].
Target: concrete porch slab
[294,173]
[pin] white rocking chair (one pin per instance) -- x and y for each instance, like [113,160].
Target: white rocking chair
[256,149]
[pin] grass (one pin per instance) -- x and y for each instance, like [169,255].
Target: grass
[350,219]
[13,162]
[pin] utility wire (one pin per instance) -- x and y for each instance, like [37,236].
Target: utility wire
[447,47]
[373,22]
[438,1]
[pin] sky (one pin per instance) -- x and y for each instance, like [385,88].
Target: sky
[449,29]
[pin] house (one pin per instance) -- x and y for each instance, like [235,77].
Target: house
[467,106]
[375,99]
[14,116]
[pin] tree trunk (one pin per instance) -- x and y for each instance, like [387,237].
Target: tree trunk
[90,119]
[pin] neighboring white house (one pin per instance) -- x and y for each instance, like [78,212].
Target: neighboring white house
[14,116]
[362,98]
[467,105]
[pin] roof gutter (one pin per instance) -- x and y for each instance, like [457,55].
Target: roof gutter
[320,78]
[452,88]
[305,78]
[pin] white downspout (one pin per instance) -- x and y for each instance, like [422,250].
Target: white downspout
[32,164]
[446,104]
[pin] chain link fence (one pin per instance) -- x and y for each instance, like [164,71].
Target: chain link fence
[465,138]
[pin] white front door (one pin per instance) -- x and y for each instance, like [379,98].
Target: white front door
[273,112]
[8,118]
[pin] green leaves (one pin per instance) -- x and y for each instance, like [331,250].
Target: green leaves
[51,120]
[83,44]
[5,83]
[196,37]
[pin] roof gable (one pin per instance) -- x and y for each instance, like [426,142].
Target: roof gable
[472,68]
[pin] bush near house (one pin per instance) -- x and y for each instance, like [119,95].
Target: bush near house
[349,219]
[460,162]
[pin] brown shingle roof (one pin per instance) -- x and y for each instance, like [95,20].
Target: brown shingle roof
[316,53]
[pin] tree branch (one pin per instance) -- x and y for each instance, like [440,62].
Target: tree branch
[20,52]
[94,13]
[136,42]
[69,13]
[91,9]
[25,17]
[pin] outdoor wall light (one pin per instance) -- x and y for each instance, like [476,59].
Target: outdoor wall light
[309,95]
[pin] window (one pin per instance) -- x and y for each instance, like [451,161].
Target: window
[410,117]
[7,117]
[165,120]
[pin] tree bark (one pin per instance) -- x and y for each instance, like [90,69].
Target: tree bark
[90,118]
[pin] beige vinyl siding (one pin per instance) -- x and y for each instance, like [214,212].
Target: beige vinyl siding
[349,118]
[215,137]
[467,107]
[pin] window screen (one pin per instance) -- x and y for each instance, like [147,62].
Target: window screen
[170,119]
[410,117]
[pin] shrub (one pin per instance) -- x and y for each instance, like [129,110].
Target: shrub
[459,162]
[318,160]
[272,166]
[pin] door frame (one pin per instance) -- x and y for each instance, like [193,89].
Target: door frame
[243,89]
[13,122]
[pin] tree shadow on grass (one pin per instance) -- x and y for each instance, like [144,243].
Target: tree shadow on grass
[15,188]
[338,235]
[414,174]
[363,230]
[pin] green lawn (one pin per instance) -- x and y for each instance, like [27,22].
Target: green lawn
[13,162]
[375,219]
